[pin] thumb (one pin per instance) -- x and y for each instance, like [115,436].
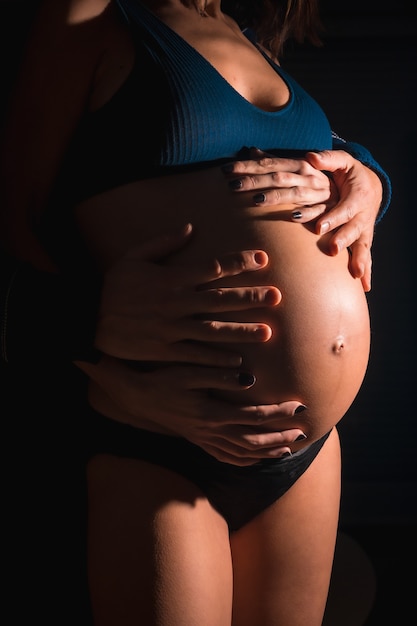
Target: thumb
[330,160]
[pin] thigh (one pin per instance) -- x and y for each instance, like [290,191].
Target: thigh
[158,552]
[283,558]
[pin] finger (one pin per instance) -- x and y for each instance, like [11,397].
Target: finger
[228,332]
[360,263]
[263,163]
[308,213]
[239,458]
[231,264]
[190,352]
[330,160]
[258,444]
[366,279]
[297,195]
[174,341]
[199,378]
[179,352]
[225,300]
[255,415]
[342,215]
[302,188]
[347,234]
[314,179]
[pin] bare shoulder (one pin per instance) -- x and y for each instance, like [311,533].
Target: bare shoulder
[67,42]
[72,11]
[52,89]
[71,28]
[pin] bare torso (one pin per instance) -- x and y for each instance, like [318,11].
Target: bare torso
[319,349]
[320,345]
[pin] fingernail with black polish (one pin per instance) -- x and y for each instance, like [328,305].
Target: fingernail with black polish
[236,184]
[296,215]
[285,455]
[301,437]
[300,409]
[259,198]
[246,380]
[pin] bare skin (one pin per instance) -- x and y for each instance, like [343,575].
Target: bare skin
[319,347]
[263,573]
[277,567]
[348,220]
[58,50]
[143,519]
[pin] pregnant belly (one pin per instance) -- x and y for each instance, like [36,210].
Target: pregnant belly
[319,349]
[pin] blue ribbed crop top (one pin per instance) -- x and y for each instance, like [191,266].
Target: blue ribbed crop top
[175,110]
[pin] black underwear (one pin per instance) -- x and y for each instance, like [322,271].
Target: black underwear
[237,493]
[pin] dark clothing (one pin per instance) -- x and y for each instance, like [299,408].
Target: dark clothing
[176,111]
[201,119]
[238,493]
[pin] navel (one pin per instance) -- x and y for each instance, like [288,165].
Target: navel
[338,345]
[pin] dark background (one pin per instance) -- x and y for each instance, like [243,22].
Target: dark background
[364,76]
